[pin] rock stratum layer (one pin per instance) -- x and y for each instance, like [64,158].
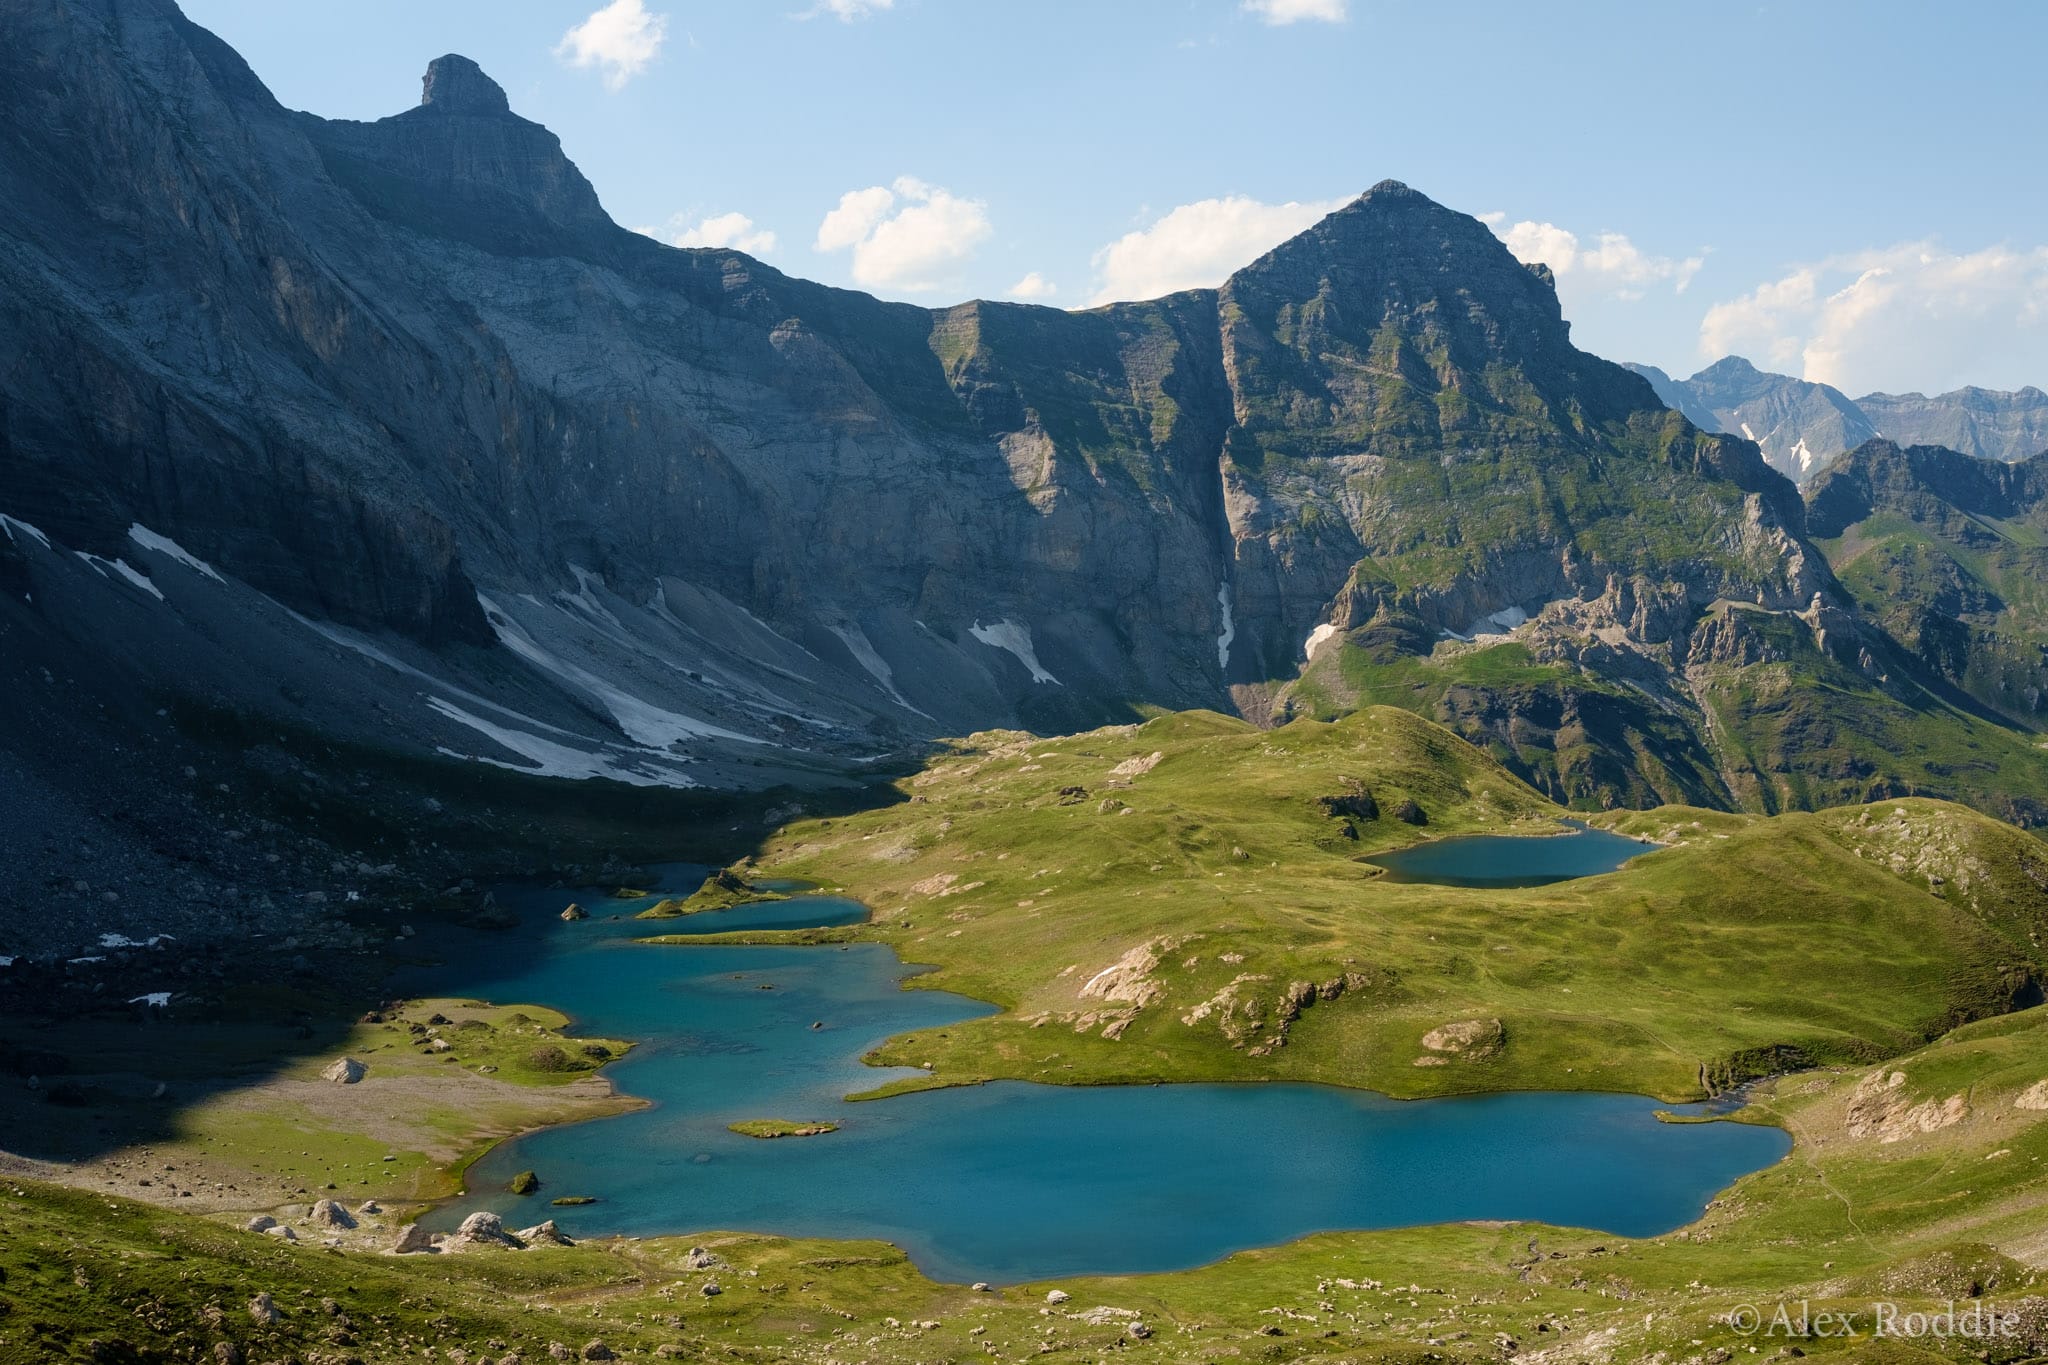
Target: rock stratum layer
[392,421]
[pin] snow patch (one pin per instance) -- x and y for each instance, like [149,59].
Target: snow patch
[10,526]
[6,962]
[1492,626]
[1747,434]
[1229,632]
[548,758]
[1008,635]
[864,653]
[125,570]
[1498,623]
[348,640]
[1315,640]
[164,545]
[79,961]
[644,722]
[586,600]
[155,1000]
[123,941]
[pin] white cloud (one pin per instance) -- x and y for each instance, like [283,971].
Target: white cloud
[1294,11]
[733,230]
[1198,245]
[906,236]
[858,213]
[1612,265]
[621,40]
[1912,316]
[846,11]
[1034,286]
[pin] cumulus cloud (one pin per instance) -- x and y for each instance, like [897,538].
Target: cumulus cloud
[1610,265]
[846,11]
[1198,245]
[908,235]
[729,230]
[1913,316]
[1294,11]
[621,40]
[1033,286]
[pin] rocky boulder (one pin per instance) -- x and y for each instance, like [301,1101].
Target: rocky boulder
[329,1214]
[544,1234]
[1468,1039]
[485,1229]
[412,1239]
[344,1071]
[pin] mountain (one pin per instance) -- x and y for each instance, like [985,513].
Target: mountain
[1986,423]
[1950,552]
[387,431]
[1800,425]
[1675,395]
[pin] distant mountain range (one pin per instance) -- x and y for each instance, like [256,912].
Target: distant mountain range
[388,431]
[1803,426]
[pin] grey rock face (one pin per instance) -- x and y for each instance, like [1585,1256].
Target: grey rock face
[1986,423]
[457,85]
[464,467]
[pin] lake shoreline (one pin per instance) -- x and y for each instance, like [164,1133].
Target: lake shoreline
[760,975]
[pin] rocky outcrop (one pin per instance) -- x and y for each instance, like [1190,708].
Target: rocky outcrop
[344,1071]
[1129,979]
[1469,1040]
[1882,1108]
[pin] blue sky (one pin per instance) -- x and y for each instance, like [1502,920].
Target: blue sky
[1847,191]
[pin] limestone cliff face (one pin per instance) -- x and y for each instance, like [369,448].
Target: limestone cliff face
[1987,423]
[407,377]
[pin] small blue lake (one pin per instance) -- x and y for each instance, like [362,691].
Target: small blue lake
[1499,860]
[1011,1181]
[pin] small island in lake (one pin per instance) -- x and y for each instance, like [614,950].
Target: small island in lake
[722,890]
[778,1128]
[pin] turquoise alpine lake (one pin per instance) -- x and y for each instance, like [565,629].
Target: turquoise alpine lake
[1508,860]
[1009,1181]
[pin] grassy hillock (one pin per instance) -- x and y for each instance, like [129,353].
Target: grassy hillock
[1187,899]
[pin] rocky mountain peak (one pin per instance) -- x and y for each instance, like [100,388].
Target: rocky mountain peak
[462,166]
[1727,369]
[456,85]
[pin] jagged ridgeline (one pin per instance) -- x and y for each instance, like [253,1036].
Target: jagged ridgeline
[415,407]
